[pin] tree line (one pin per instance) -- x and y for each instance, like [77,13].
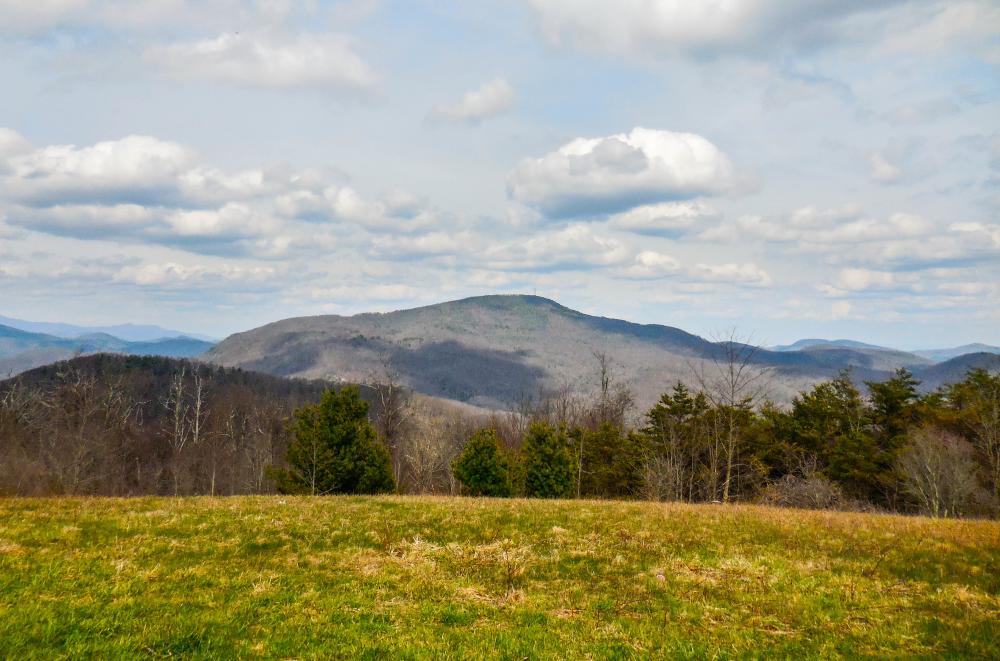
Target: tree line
[123,426]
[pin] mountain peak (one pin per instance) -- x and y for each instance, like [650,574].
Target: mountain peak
[509,301]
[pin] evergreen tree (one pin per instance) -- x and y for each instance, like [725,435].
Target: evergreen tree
[614,462]
[894,407]
[547,462]
[832,424]
[483,468]
[335,449]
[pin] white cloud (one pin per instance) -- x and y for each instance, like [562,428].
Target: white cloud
[596,176]
[668,26]
[571,248]
[432,244]
[755,28]
[488,100]
[365,292]
[857,279]
[148,190]
[812,227]
[664,219]
[733,273]
[12,143]
[233,220]
[936,287]
[86,220]
[651,265]
[268,60]
[35,17]
[840,310]
[134,168]
[17,16]
[172,274]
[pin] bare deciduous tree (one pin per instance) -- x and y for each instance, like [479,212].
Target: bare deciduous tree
[427,456]
[394,410]
[939,472]
[734,382]
[614,398]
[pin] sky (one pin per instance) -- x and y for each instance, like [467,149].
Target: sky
[823,168]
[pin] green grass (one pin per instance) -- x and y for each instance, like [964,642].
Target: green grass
[399,577]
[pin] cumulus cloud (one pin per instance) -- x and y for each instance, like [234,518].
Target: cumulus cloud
[135,168]
[40,16]
[759,27]
[431,244]
[670,219]
[849,238]
[573,247]
[597,176]
[734,273]
[488,100]
[175,275]
[12,143]
[145,189]
[651,265]
[811,226]
[945,286]
[857,279]
[268,60]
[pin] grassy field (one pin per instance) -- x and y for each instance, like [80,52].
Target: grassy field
[407,577]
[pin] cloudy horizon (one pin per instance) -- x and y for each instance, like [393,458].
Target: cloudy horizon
[820,169]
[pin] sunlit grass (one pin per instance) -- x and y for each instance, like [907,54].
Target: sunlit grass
[446,577]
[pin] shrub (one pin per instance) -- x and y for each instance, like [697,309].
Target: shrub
[547,462]
[482,467]
[810,491]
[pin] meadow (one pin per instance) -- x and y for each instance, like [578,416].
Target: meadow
[439,577]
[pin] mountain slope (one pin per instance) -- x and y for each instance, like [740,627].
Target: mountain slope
[939,355]
[493,350]
[955,369]
[839,356]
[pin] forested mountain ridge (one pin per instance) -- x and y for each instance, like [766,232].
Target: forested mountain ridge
[492,350]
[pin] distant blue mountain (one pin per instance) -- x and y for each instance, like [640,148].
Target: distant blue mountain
[940,355]
[129,332]
[933,355]
[21,350]
[814,343]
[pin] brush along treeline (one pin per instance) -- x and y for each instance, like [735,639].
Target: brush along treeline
[115,425]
